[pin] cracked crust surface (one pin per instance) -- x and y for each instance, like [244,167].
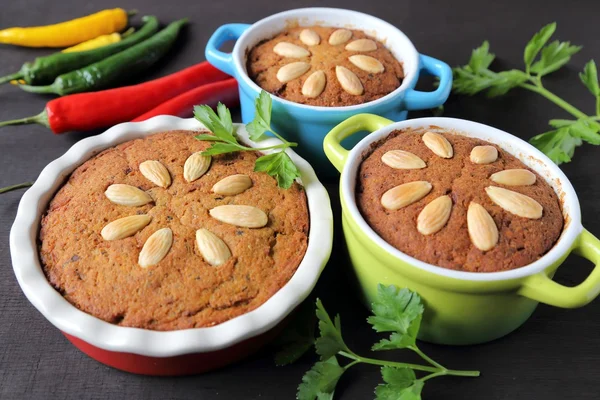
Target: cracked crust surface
[104,279]
[263,64]
[521,240]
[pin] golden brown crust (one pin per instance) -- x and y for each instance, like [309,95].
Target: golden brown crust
[104,279]
[521,240]
[263,65]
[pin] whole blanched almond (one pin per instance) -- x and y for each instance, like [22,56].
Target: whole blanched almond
[213,249]
[435,215]
[349,81]
[292,71]
[440,146]
[127,195]
[232,185]
[125,227]
[339,36]
[482,228]
[314,84]
[362,45]
[367,63]
[195,166]
[400,159]
[484,154]
[156,248]
[514,177]
[404,195]
[156,173]
[310,37]
[290,50]
[515,203]
[244,216]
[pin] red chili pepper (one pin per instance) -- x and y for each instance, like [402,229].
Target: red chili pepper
[85,111]
[183,105]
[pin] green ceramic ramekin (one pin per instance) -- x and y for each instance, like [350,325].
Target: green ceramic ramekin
[462,307]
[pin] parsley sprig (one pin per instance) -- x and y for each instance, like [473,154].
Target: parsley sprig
[278,164]
[15,187]
[398,311]
[541,58]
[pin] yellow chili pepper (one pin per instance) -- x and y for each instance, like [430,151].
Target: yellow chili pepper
[94,43]
[67,33]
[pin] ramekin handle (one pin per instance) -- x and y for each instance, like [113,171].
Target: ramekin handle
[417,100]
[221,60]
[543,289]
[334,151]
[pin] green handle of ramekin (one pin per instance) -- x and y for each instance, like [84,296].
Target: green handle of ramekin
[542,288]
[357,123]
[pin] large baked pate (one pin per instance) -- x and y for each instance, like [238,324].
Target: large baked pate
[457,202]
[109,279]
[324,66]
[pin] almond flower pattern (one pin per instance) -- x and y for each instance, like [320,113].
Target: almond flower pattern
[481,227]
[316,82]
[212,248]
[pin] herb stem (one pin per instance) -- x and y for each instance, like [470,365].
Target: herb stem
[425,357]
[554,98]
[597,108]
[15,187]
[352,363]
[434,375]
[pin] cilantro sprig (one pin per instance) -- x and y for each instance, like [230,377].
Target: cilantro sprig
[397,311]
[541,58]
[277,164]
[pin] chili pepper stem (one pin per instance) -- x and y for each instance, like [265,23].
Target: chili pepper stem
[131,13]
[41,118]
[128,32]
[8,78]
[47,89]
[15,187]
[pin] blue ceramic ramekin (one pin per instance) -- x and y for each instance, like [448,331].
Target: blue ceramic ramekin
[306,124]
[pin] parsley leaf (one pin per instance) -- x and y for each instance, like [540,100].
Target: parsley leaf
[280,166]
[401,384]
[536,43]
[225,117]
[262,117]
[220,148]
[395,310]
[319,382]
[330,340]
[589,77]
[558,144]
[222,128]
[481,58]
[554,56]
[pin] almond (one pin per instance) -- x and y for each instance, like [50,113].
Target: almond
[125,227]
[434,216]
[484,154]
[314,84]
[156,247]
[213,249]
[515,203]
[310,37]
[482,228]
[362,45]
[514,177]
[440,146]
[367,63]
[127,195]
[244,216]
[400,159]
[156,173]
[232,185]
[349,81]
[195,166]
[404,195]
[339,36]
[290,50]
[292,71]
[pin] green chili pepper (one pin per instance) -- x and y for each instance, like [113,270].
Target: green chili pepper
[43,70]
[115,68]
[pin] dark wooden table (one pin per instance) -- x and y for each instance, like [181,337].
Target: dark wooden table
[556,355]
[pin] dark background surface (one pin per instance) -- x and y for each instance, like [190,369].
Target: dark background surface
[556,355]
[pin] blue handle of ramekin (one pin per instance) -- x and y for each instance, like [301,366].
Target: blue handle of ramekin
[219,59]
[417,100]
